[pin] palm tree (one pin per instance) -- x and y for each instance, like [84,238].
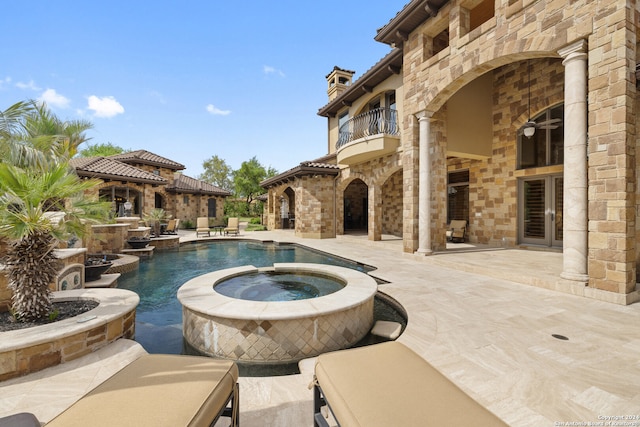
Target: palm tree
[15,144]
[66,136]
[155,217]
[39,207]
[39,202]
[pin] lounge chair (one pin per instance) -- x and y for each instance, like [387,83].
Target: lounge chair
[171,227]
[457,230]
[202,226]
[233,226]
[160,390]
[389,384]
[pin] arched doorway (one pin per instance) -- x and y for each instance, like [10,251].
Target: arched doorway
[288,208]
[356,206]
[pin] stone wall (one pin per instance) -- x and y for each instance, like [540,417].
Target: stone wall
[106,238]
[33,349]
[536,31]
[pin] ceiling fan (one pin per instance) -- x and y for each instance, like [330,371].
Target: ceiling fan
[529,128]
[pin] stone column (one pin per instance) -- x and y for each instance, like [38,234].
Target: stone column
[575,202]
[424,185]
[374,212]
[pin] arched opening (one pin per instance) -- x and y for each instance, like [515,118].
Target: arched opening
[356,206]
[118,196]
[288,208]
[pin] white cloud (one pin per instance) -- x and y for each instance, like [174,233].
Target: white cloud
[5,82]
[31,85]
[268,69]
[53,98]
[107,106]
[216,111]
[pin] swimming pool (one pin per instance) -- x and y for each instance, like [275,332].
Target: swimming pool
[159,314]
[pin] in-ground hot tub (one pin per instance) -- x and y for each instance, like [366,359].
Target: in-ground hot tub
[277,331]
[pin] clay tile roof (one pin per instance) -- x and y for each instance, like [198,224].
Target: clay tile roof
[186,184]
[109,169]
[145,157]
[323,166]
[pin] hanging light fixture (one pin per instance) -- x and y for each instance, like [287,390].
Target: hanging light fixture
[530,125]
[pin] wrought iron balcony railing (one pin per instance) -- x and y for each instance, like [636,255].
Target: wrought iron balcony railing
[373,122]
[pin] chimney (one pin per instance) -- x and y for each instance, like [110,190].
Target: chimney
[338,80]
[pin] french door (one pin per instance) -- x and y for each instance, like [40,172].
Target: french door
[540,210]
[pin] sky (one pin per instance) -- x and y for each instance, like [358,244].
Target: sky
[191,79]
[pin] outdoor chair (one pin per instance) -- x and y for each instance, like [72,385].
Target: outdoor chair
[160,390]
[233,226]
[457,230]
[389,384]
[171,227]
[202,226]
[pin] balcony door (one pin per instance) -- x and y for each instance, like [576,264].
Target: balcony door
[540,210]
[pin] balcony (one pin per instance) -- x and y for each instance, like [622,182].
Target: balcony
[368,136]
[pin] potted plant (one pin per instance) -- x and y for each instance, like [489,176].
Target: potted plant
[155,217]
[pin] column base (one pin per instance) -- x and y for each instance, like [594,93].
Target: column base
[424,252]
[575,277]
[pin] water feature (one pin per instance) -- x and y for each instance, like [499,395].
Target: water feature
[274,331]
[159,314]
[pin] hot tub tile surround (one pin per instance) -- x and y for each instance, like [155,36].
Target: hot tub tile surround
[276,332]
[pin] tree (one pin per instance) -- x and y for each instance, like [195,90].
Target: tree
[16,146]
[101,150]
[40,200]
[217,172]
[67,135]
[39,207]
[247,179]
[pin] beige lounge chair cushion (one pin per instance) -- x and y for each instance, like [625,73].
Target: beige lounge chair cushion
[390,385]
[202,225]
[156,390]
[233,226]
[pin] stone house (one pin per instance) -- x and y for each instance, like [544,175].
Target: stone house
[149,181]
[517,116]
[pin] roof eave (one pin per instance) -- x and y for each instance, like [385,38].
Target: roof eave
[297,172]
[396,32]
[383,70]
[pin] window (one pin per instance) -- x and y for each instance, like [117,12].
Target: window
[546,146]
[458,195]
[481,14]
[185,200]
[211,208]
[156,172]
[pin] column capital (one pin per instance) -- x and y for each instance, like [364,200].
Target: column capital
[576,50]
[423,115]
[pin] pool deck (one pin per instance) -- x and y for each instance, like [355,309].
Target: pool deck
[471,315]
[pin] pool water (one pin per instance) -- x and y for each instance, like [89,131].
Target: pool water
[159,314]
[273,286]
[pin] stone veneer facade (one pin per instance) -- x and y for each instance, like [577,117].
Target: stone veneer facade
[535,55]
